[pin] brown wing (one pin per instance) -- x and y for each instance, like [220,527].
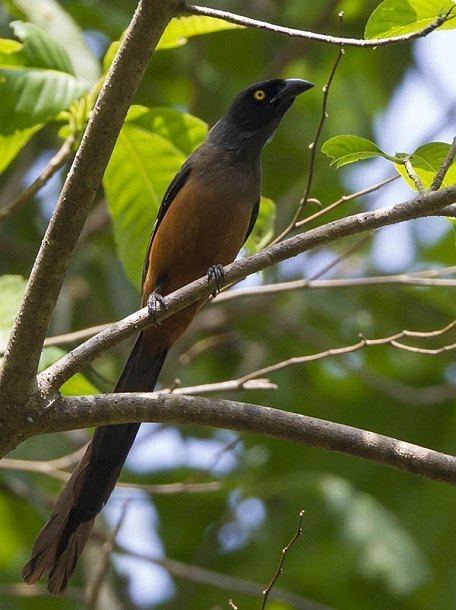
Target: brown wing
[175,186]
[204,226]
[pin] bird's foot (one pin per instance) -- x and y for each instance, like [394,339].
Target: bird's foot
[217,273]
[155,303]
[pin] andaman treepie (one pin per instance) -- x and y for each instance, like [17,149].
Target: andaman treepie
[206,215]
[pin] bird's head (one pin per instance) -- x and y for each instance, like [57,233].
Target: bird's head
[256,112]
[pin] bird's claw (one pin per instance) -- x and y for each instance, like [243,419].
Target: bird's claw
[217,273]
[155,303]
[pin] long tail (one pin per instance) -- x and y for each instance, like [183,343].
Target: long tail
[63,538]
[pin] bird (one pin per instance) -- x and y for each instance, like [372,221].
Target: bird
[207,213]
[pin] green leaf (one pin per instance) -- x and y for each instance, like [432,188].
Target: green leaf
[9,51]
[426,161]
[349,149]
[35,85]
[264,226]
[12,288]
[151,148]
[78,385]
[385,550]
[61,28]
[399,17]
[179,30]
[31,96]
[39,50]
[12,144]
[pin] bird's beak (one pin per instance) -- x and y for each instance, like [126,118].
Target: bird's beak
[293,87]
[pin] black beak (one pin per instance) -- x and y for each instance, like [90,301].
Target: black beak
[293,87]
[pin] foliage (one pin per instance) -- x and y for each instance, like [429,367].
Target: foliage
[151,147]
[349,149]
[399,17]
[373,538]
[425,160]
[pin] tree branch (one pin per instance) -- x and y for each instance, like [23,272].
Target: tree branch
[57,161]
[392,340]
[57,374]
[47,468]
[313,148]
[22,589]
[210,578]
[94,589]
[440,175]
[283,555]
[345,198]
[69,413]
[247,22]
[421,278]
[26,341]
[414,176]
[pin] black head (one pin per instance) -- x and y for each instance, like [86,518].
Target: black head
[256,112]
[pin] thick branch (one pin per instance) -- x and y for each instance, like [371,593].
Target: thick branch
[24,348]
[335,40]
[73,362]
[449,211]
[85,411]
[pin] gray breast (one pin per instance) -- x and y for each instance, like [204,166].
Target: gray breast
[233,176]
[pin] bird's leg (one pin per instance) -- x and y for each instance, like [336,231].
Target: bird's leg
[217,273]
[155,303]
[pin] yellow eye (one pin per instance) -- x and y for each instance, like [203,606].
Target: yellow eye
[259,95]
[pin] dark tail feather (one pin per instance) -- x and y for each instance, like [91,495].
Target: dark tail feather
[63,538]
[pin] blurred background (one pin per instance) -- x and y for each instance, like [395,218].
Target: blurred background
[373,538]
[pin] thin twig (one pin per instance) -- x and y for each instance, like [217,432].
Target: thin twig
[57,161]
[392,340]
[414,176]
[210,578]
[108,547]
[345,198]
[335,40]
[198,476]
[420,278]
[21,589]
[338,259]
[198,348]
[46,468]
[313,148]
[224,386]
[75,336]
[279,570]
[440,175]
